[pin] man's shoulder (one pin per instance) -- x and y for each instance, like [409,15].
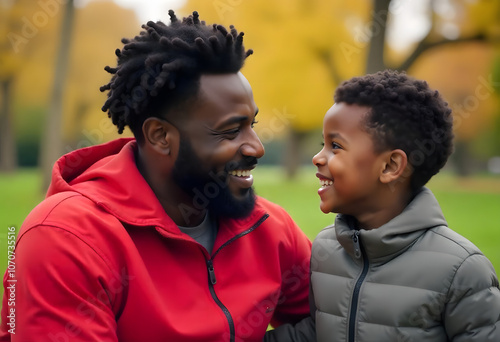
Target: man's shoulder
[265,203]
[279,219]
[69,211]
[275,211]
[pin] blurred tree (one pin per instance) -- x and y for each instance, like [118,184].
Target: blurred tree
[98,29]
[305,48]
[29,23]
[9,64]
[52,146]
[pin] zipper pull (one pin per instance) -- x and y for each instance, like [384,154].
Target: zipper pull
[211,272]
[357,247]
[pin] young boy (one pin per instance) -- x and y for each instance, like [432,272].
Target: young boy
[390,269]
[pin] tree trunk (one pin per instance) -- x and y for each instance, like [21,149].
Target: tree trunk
[293,152]
[375,61]
[461,158]
[8,153]
[52,145]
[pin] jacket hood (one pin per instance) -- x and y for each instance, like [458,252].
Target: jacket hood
[107,175]
[394,237]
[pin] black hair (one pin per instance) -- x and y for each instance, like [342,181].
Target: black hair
[405,114]
[160,69]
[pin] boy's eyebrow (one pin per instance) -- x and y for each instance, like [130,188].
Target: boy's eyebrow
[337,136]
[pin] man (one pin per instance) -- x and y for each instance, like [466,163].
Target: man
[161,237]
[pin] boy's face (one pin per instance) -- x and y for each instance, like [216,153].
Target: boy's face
[348,167]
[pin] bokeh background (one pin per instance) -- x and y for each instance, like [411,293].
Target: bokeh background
[53,53]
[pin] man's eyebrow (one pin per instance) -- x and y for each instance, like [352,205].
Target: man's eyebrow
[233,120]
[236,119]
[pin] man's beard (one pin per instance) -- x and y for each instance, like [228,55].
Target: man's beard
[209,188]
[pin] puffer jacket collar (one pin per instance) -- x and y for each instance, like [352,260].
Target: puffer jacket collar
[393,238]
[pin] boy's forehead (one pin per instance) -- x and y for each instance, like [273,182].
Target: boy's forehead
[347,113]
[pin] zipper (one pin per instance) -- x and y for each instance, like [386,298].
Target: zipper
[212,280]
[358,253]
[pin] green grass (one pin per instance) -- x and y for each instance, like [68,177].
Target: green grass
[471,205]
[20,193]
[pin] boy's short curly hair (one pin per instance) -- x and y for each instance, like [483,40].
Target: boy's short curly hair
[405,114]
[160,69]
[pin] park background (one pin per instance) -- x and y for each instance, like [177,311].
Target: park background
[53,53]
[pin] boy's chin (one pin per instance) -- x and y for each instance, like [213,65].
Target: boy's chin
[325,209]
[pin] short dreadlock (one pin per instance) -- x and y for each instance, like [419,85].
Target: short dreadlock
[405,114]
[161,68]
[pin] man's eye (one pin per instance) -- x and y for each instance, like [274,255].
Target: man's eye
[230,132]
[254,123]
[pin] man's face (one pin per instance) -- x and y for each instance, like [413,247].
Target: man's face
[219,147]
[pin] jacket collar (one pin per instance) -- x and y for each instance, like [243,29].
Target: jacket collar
[108,175]
[394,237]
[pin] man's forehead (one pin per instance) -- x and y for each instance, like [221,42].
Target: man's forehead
[225,82]
[220,88]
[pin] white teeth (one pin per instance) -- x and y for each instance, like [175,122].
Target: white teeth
[240,173]
[325,183]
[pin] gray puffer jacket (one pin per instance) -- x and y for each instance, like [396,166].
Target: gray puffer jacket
[412,279]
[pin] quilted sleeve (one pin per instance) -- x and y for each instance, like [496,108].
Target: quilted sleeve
[472,312]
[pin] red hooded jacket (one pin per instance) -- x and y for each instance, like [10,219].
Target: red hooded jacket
[100,260]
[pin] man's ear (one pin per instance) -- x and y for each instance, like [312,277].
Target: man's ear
[396,162]
[160,135]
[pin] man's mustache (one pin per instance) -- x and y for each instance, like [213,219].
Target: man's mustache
[244,164]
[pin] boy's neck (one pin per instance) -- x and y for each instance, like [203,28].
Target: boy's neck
[391,206]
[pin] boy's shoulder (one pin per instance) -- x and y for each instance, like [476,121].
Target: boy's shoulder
[455,253]
[327,233]
[446,240]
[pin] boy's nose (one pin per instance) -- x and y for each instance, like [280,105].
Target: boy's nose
[318,159]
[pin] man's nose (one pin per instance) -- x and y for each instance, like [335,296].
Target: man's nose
[252,146]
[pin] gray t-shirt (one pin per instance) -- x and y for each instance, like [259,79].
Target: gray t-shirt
[204,233]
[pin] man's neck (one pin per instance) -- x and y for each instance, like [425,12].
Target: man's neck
[178,205]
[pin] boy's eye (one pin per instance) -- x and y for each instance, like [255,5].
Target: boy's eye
[254,123]
[336,146]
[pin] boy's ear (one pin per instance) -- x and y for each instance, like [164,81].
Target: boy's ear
[396,162]
[160,135]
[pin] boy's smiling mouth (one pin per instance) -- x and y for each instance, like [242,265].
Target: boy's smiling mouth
[324,183]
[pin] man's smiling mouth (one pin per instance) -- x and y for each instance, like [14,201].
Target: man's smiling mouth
[241,173]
